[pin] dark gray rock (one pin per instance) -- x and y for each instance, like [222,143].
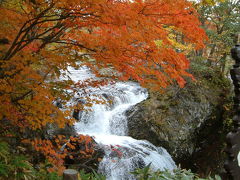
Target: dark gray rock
[52,130]
[173,119]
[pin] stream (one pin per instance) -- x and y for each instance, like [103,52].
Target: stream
[108,124]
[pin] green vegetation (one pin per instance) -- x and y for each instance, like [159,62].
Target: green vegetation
[91,176]
[17,166]
[221,22]
[177,174]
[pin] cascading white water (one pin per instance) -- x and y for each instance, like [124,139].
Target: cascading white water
[108,125]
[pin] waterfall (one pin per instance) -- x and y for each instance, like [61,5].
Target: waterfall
[107,123]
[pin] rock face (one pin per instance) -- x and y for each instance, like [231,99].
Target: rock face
[53,130]
[174,118]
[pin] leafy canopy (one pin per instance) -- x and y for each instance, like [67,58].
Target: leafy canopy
[39,38]
[221,21]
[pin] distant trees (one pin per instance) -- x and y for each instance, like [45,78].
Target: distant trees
[221,20]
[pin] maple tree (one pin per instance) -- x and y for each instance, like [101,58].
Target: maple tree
[60,149]
[39,39]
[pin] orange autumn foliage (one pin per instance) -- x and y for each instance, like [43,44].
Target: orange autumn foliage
[59,149]
[52,153]
[39,38]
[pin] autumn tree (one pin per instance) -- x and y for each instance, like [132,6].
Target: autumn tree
[40,38]
[221,20]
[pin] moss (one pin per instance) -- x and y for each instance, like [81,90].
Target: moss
[179,115]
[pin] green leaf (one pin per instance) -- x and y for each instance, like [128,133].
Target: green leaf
[4,169]
[217,177]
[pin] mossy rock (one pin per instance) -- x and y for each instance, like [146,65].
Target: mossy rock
[174,119]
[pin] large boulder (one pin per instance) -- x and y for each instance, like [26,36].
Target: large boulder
[174,119]
[52,130]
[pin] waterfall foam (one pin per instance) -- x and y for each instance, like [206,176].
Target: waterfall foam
[108,125]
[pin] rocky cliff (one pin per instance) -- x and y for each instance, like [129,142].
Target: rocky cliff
[178,118]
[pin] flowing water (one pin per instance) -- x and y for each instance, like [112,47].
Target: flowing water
[108,124]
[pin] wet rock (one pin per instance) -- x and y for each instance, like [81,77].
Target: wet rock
[52,130]
[76,114]
[105,96]
[173,119]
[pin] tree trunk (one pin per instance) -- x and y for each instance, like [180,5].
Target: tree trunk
[71,174]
